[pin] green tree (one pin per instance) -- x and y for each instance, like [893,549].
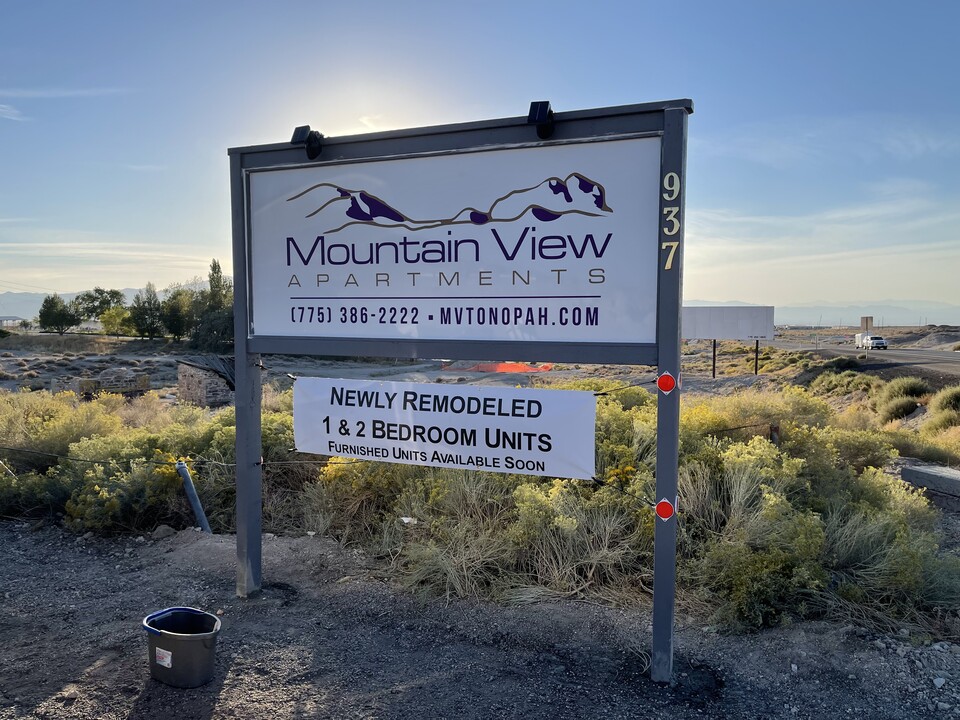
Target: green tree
[214,312]
[94,303]
[57,315]
[145,313]
[116,321]
[177,310]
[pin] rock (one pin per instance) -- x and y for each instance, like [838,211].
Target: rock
[943,707]
[793,668]
[939,682]
[162,531]
[88,535]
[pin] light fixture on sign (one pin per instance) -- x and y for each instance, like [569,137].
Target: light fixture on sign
[310,139]
[541,115]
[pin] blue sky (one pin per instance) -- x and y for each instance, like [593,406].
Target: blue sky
[822,156]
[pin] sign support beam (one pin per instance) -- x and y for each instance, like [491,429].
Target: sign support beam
[248,394]
[670,293]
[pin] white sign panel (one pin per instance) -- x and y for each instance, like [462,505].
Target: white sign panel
[733,322]
[511,430]
[552,244]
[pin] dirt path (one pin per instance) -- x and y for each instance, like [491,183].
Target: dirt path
[331,636]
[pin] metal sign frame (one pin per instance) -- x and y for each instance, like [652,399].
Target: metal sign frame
[666,120]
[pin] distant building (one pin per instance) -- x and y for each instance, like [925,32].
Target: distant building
[10,320]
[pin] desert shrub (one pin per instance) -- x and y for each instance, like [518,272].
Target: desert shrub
[134,496]
[624,414]
[940,421]
[32,493]
[721,498]
[881,551]
[4,375]
[46,425]
[455,541]
[909,387]
[276,400]
[856,417]
[843,383]
[754,412]
[573,540]
[844,363]
[911,444]
[360,495]
[832,457]
[859,449]
[949,441]
[896,408]
[147,411]
[757,575]
[946,400]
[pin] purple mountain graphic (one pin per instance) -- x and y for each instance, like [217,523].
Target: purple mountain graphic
[549,200]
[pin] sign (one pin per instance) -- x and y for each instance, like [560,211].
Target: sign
[554,236]
[721,322]
[495,429]
[543,244]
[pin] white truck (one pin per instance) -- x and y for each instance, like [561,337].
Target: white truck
[869,341]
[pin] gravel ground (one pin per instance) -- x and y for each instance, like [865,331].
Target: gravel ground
[332,635]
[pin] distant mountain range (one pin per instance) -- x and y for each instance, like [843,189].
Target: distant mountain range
[886,313]
[824,314]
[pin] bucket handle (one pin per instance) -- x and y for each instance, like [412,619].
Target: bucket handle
[153,616]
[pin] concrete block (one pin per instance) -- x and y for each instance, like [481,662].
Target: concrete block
[939,479]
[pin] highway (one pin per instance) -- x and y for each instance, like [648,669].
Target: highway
[943,362]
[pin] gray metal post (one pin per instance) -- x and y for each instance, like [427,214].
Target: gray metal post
[247,399]
[192,496]
[673,162]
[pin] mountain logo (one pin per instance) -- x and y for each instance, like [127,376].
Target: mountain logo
[547,201]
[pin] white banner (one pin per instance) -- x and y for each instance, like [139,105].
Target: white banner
[495,429]
[553,244]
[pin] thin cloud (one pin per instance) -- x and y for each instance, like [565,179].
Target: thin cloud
[898,240]
[55,93]
[9,112]
[800,141]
